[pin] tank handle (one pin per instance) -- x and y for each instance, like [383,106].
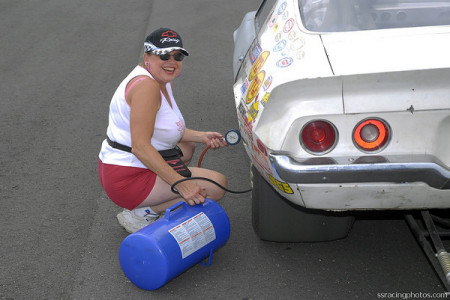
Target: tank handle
[173,207]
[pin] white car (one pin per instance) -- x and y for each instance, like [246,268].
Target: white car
[343,105]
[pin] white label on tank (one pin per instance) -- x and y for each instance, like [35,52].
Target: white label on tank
[193,234]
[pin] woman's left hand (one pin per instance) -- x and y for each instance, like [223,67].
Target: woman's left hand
[214,140]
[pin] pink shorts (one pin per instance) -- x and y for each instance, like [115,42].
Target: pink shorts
[126,186]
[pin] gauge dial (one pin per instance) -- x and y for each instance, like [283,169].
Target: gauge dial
[233,137]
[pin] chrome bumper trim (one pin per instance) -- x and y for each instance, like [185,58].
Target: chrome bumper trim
[427,171]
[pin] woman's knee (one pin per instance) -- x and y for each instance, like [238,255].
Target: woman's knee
[217,192]
[214,191]
[222,179]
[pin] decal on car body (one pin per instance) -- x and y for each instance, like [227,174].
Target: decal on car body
[256,51]
[267,83]
[260,159]
[258,65]
[273,20]
[265,99]
[284,62]
[282,186]
[288,25]
[244,87]
[253,90]
[282,8]
[253,112]
[279,46]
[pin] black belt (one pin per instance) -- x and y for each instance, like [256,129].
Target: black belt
[116,145]
[171,156]
[164,153]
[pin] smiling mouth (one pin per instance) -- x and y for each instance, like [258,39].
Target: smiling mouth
[169,70]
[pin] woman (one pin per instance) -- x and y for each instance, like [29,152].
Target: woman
[144,119]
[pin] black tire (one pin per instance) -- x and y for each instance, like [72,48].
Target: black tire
[278,220]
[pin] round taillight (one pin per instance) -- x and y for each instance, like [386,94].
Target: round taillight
[318,137]
[371,135]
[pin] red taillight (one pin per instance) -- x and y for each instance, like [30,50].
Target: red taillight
[318,136]
[371,135]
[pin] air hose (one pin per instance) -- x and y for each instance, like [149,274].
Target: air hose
[199,164]
[172,187]
[232,137]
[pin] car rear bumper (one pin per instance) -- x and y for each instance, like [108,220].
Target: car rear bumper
[367,169]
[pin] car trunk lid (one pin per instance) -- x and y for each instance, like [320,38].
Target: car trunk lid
[397,91]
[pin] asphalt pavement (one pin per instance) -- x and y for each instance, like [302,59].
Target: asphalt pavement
[60,63]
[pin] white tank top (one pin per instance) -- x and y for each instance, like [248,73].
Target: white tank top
[169,125]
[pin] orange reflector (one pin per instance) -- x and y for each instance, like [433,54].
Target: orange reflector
[371,134]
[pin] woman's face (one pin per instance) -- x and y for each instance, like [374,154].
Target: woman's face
[163,71]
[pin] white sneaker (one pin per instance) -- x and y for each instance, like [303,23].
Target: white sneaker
[132,223]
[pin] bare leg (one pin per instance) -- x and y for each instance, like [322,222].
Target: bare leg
[188,149]
[161,196]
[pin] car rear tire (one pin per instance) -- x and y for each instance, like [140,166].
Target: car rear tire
[278,220]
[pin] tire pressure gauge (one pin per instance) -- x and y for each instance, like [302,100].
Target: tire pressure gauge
[233,137]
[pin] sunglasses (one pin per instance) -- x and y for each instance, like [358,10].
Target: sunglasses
[177,56]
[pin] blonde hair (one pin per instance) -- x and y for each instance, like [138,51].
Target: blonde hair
[141,61]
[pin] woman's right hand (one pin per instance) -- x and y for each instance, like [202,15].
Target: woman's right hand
[191,192]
